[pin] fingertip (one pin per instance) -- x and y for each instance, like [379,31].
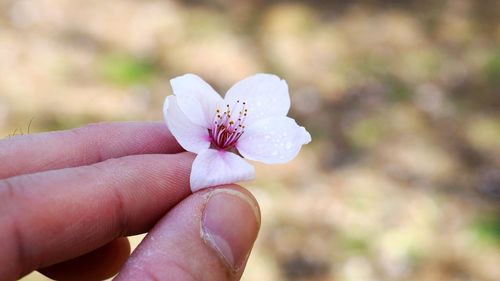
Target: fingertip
[230,223]
[208,236]
[239,191]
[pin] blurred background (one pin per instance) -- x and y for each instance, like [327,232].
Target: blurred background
[402,179]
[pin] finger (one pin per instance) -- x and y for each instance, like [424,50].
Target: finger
[53,216]
[99,264]
[83,146]
[208,236]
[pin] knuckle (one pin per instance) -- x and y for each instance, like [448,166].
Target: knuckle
[9,193]
[18,247]
[120,212]
[173,270]
[12,243]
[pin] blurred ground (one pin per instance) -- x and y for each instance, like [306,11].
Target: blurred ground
[402,180]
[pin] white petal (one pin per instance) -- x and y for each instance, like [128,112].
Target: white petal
[266,95]
[190,136]
[196,98]
[215,167]
[273,140]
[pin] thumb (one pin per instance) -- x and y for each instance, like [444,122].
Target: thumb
[208,236]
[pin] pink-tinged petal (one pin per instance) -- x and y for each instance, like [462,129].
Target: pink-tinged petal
[191,137]
[216,167]
[266,95]
[196,98]
[272,140]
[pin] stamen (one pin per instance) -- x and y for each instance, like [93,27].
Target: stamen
[225,131]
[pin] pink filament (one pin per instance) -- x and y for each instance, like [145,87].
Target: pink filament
[225,131]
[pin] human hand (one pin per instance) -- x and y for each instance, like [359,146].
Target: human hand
[68,200]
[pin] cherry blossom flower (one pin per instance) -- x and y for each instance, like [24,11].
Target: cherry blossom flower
[249,122]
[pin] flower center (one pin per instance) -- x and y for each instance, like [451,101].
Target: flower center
[227,127]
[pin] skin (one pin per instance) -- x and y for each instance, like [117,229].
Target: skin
[68,199]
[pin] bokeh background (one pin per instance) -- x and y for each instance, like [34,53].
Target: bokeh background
[402,179]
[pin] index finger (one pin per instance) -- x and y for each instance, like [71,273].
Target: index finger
[83,146]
